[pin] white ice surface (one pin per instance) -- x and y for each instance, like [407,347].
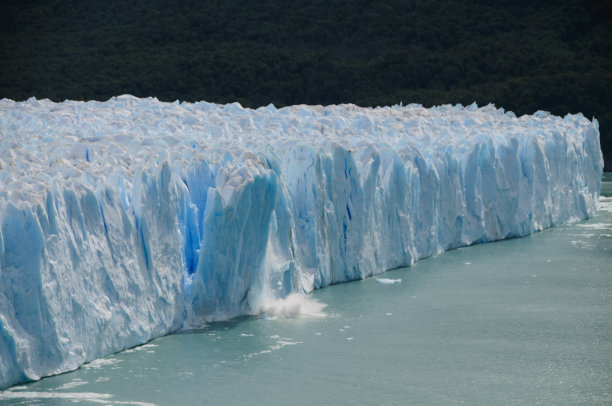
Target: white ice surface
[124,220]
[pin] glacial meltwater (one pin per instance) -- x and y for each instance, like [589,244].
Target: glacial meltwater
[521,321]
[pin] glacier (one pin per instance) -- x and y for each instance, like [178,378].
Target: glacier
[126,220]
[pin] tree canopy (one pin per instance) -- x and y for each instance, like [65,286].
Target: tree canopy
[520,55]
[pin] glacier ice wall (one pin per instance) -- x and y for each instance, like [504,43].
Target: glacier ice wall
[128,219]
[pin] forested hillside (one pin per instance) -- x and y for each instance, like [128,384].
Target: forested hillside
[520,55]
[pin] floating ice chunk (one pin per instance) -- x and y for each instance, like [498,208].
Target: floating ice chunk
[73,384]
[73,397]
[69,396]
[387,281]
[605,203]
[594,226]
[102,362]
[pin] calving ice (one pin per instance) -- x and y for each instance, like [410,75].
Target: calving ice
[128,219]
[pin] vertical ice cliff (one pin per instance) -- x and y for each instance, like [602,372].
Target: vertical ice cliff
[125,220]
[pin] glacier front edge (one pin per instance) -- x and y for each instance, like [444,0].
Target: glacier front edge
[125,220]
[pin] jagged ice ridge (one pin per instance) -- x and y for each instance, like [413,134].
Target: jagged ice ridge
[125,220]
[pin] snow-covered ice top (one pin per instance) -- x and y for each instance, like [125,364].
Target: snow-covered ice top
[128,219]
[95,144]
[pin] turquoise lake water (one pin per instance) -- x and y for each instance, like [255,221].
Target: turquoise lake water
[522,321]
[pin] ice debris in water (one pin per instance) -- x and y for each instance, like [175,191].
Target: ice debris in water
[387,281]
[128,219]
[294,305]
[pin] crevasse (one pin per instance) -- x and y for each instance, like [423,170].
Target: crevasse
[125,220]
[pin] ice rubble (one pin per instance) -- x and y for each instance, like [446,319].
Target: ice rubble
[128,219]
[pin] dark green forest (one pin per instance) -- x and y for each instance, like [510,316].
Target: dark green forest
[521,55]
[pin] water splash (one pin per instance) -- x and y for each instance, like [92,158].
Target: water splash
[293,306]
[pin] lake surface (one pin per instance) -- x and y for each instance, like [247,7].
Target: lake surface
[522,321]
